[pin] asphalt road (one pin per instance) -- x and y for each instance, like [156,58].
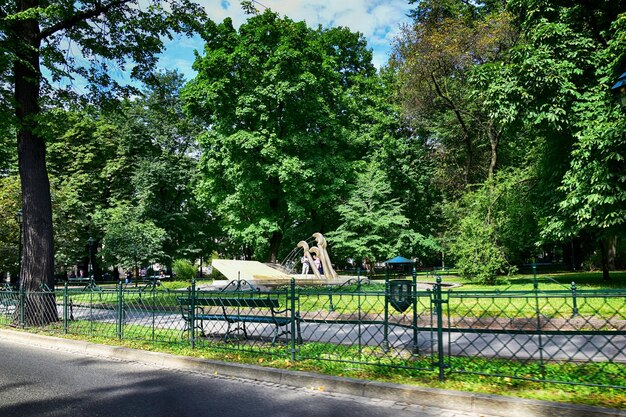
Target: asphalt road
[35,381]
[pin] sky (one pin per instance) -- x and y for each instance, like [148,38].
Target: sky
[378,20]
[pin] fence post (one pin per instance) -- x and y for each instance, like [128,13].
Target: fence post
[439,312]
[90,289]
[292,307]
[120,309]
[331,306]
[414,301]
[192,313]
[359,308]
[574,300]
[386,318]
[65,301]
[22,305]
[542,365]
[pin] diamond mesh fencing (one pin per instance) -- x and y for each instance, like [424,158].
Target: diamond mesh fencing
[353,324]
[535,335]
[532,335]
[243,320]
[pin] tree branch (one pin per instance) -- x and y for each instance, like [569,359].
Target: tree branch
[81,16]
[466,134]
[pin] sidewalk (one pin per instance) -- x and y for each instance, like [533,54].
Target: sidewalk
[492,405]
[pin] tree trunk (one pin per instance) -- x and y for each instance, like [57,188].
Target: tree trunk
[275,241]
[605,260]
[37,254]
[611,252]
[494,142]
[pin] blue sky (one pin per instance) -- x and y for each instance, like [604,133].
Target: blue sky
[377,20]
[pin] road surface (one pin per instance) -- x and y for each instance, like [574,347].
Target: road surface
[35,381]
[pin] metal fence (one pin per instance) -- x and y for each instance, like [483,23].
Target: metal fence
[568,336]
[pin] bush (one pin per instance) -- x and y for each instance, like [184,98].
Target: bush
[477,255]
[183,269]
[491,227]
[217,275]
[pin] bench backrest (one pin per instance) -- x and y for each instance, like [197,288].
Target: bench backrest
[229,302]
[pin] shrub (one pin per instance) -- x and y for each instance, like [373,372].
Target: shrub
[183,269]
[217,275]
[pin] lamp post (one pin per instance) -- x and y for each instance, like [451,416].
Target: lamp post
[91,242]
[19,216]
[619,89]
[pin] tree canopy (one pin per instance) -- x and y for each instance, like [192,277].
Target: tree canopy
[491,137]
[278,100]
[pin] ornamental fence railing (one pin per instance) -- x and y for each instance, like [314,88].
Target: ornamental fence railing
[568,336]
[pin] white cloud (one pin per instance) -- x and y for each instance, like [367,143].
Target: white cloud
[377,20]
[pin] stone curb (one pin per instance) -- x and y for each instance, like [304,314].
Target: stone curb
[429,397]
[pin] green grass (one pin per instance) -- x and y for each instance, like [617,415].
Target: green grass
[559,281]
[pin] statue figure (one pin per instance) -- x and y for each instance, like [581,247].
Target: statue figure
[327,266]
[302,244]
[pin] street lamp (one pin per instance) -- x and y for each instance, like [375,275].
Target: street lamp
[619,89]
[91,242]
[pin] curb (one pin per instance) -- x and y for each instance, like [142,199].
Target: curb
[428,397]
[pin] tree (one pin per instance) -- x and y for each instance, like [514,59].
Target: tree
[594,186]
[373,225]
[494,227]
[143,154]
[435,57]
[279,147]
[163,177]
[129,241]
[571,54]
[105,33]
[9,227]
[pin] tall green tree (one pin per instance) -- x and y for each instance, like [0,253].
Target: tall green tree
[373,224]
[142,154]
[572,52]
[435,57]
[594,194]
[275,97]
[103,34]
[165,172]
[130,241]
[496,227]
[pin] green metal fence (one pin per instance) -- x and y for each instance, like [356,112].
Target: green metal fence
[530,335]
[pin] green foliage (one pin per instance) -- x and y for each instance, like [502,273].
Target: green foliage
[594,186]
[373,225]
[128,240]
[142,154]
[435,58]
[100,35]
[477,255]
[496,227]
[9,227]
[278,98]
[183,269]
[531,90]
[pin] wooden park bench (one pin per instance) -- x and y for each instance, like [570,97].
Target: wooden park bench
[78,280]
[236,311]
